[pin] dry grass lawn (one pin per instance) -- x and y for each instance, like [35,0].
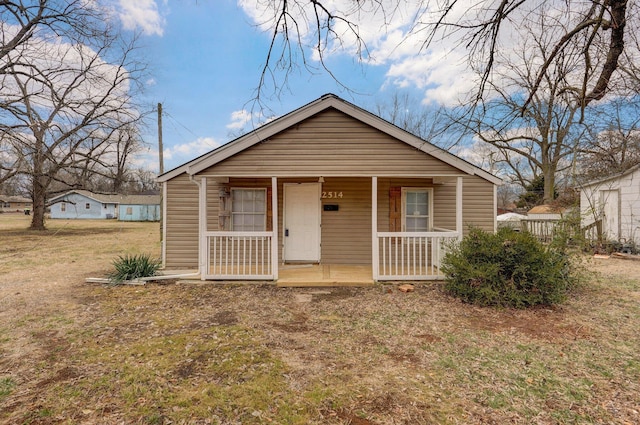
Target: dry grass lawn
[77,353]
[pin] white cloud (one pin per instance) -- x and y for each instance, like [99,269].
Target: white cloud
[143,14]
[190,150]
[388,28]
[240,118]
[394,33]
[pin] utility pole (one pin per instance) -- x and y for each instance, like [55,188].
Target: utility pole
[160,148]
[160,157]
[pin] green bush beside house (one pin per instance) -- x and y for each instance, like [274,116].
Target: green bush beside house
[507,269]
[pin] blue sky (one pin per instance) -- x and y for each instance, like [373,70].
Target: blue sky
[205,61]
[205,67]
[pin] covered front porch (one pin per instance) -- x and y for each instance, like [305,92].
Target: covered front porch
[357,241]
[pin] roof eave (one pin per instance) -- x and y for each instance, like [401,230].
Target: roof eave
[268,130]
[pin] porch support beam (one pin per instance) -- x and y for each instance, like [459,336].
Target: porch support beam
[495,208]
[375,260]
[459,207]
[274,227]
[163,224]
[202,225]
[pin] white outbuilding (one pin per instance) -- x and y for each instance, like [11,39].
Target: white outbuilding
[616,201]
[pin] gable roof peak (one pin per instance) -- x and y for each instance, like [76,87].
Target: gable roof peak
[326,101]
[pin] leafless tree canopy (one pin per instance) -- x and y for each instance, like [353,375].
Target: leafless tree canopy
[66,107]
[600,28]
[614,146]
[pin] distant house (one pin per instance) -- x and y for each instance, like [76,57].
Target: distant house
[82,204]
[139,208]
[15,204]
[546,212]
[616,201]
[543,221]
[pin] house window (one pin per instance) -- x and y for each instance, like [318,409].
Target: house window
[417,210]
[129,210]
[87,206]
[63,207]
[104,206]
[248,210]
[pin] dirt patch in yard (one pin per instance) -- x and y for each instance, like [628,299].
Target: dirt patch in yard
[72,352]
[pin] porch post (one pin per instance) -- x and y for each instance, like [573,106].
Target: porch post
[202,220]
[459,207]
[163,224]
[274,227]
[375,256]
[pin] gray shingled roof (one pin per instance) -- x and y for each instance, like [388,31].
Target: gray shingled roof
[6,198]
[115,198]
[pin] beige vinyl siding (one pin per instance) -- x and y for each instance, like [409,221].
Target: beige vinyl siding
[331,143]
[181,233]
[346,233]
[477,204]
[444,206]
[213,205]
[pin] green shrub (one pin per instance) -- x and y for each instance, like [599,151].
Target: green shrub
[507,269]
[130,267]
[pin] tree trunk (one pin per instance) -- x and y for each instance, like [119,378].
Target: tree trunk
[549,184]
[39,194]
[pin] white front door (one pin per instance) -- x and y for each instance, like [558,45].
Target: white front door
[302,222]
[611,211]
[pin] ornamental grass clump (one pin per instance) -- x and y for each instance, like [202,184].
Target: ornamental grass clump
[131,267]
[507,269]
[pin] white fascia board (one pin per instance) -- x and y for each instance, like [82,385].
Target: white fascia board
[171,174]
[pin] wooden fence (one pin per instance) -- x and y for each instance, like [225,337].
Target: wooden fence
[547,229]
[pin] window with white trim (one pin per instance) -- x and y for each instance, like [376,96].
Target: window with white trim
[63,206]
[87,206]
[417,209]
[248,210]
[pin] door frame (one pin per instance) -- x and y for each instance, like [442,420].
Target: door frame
[606,206]
[284,220]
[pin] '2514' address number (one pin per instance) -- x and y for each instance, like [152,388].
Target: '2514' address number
[331,195]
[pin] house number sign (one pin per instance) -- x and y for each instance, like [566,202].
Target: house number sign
[332,195]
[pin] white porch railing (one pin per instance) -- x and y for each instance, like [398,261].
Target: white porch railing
[238,255]
[412,255]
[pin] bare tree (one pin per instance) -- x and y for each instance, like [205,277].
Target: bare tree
[614,146]
[600,28]
[533,133]
[429,122]
[67,91]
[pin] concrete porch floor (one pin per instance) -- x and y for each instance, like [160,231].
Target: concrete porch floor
[319,275]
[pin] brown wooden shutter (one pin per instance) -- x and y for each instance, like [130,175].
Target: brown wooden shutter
[395,209]
[269,210]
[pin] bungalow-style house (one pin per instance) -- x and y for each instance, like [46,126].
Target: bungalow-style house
[328,184]
[616,201]
[15,204]
[83,204]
